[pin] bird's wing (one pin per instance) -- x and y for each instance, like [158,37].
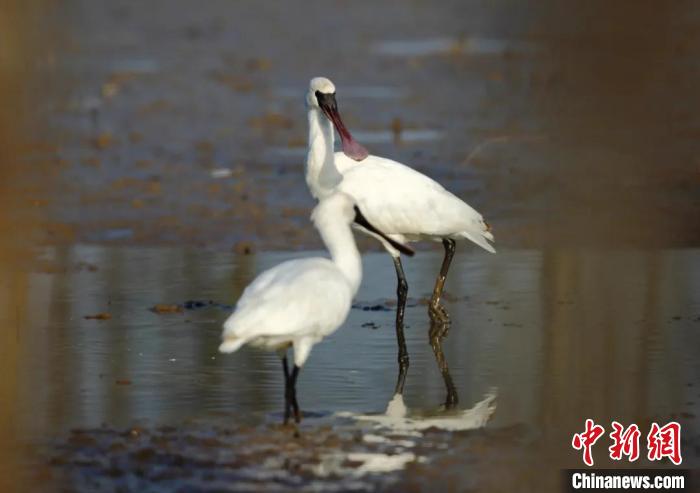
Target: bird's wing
[398,199]
[295,298]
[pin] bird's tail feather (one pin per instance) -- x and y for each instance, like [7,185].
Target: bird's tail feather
[480,239]
[231,344]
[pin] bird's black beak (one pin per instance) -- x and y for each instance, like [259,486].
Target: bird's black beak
[362,221]
[329,106]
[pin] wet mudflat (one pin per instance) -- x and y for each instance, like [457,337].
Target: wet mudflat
[143,401]
[169,128]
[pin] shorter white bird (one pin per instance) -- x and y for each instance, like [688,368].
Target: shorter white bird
[299,302]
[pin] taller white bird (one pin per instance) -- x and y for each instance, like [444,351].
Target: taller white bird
[299,302]
[401,202]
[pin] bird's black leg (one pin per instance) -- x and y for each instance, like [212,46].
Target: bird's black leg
[436,311]
[401,292]
[287,390]
[293,385]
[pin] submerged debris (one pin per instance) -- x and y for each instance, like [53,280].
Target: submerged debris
[371,307]
[192,304]
[99,316]
[243,248]
[162,308]
[166,308]
[102,141]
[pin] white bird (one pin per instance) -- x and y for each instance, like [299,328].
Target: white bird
[299,302]
[401,202]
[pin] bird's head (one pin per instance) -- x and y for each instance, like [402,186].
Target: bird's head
[322,86]
[321,96]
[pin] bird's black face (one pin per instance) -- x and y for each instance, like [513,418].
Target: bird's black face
[361,220]
[327,102]
[329,106]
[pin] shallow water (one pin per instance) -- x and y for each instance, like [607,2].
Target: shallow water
[559,336]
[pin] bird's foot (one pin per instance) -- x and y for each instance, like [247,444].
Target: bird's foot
[290,427]
[452,400]
[438,331]
[438,314]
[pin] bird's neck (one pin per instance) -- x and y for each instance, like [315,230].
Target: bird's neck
[321,174]
[344,253]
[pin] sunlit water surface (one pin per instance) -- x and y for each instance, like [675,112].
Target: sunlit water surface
[557,336]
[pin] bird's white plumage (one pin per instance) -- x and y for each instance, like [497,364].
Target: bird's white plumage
[400,201]
[295,297]
[299,302]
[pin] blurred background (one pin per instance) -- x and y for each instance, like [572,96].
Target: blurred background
[567,122]
[143,148]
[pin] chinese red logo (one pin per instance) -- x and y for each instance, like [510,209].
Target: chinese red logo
[665,442]
[625,442]
[662,442]
[587,439]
